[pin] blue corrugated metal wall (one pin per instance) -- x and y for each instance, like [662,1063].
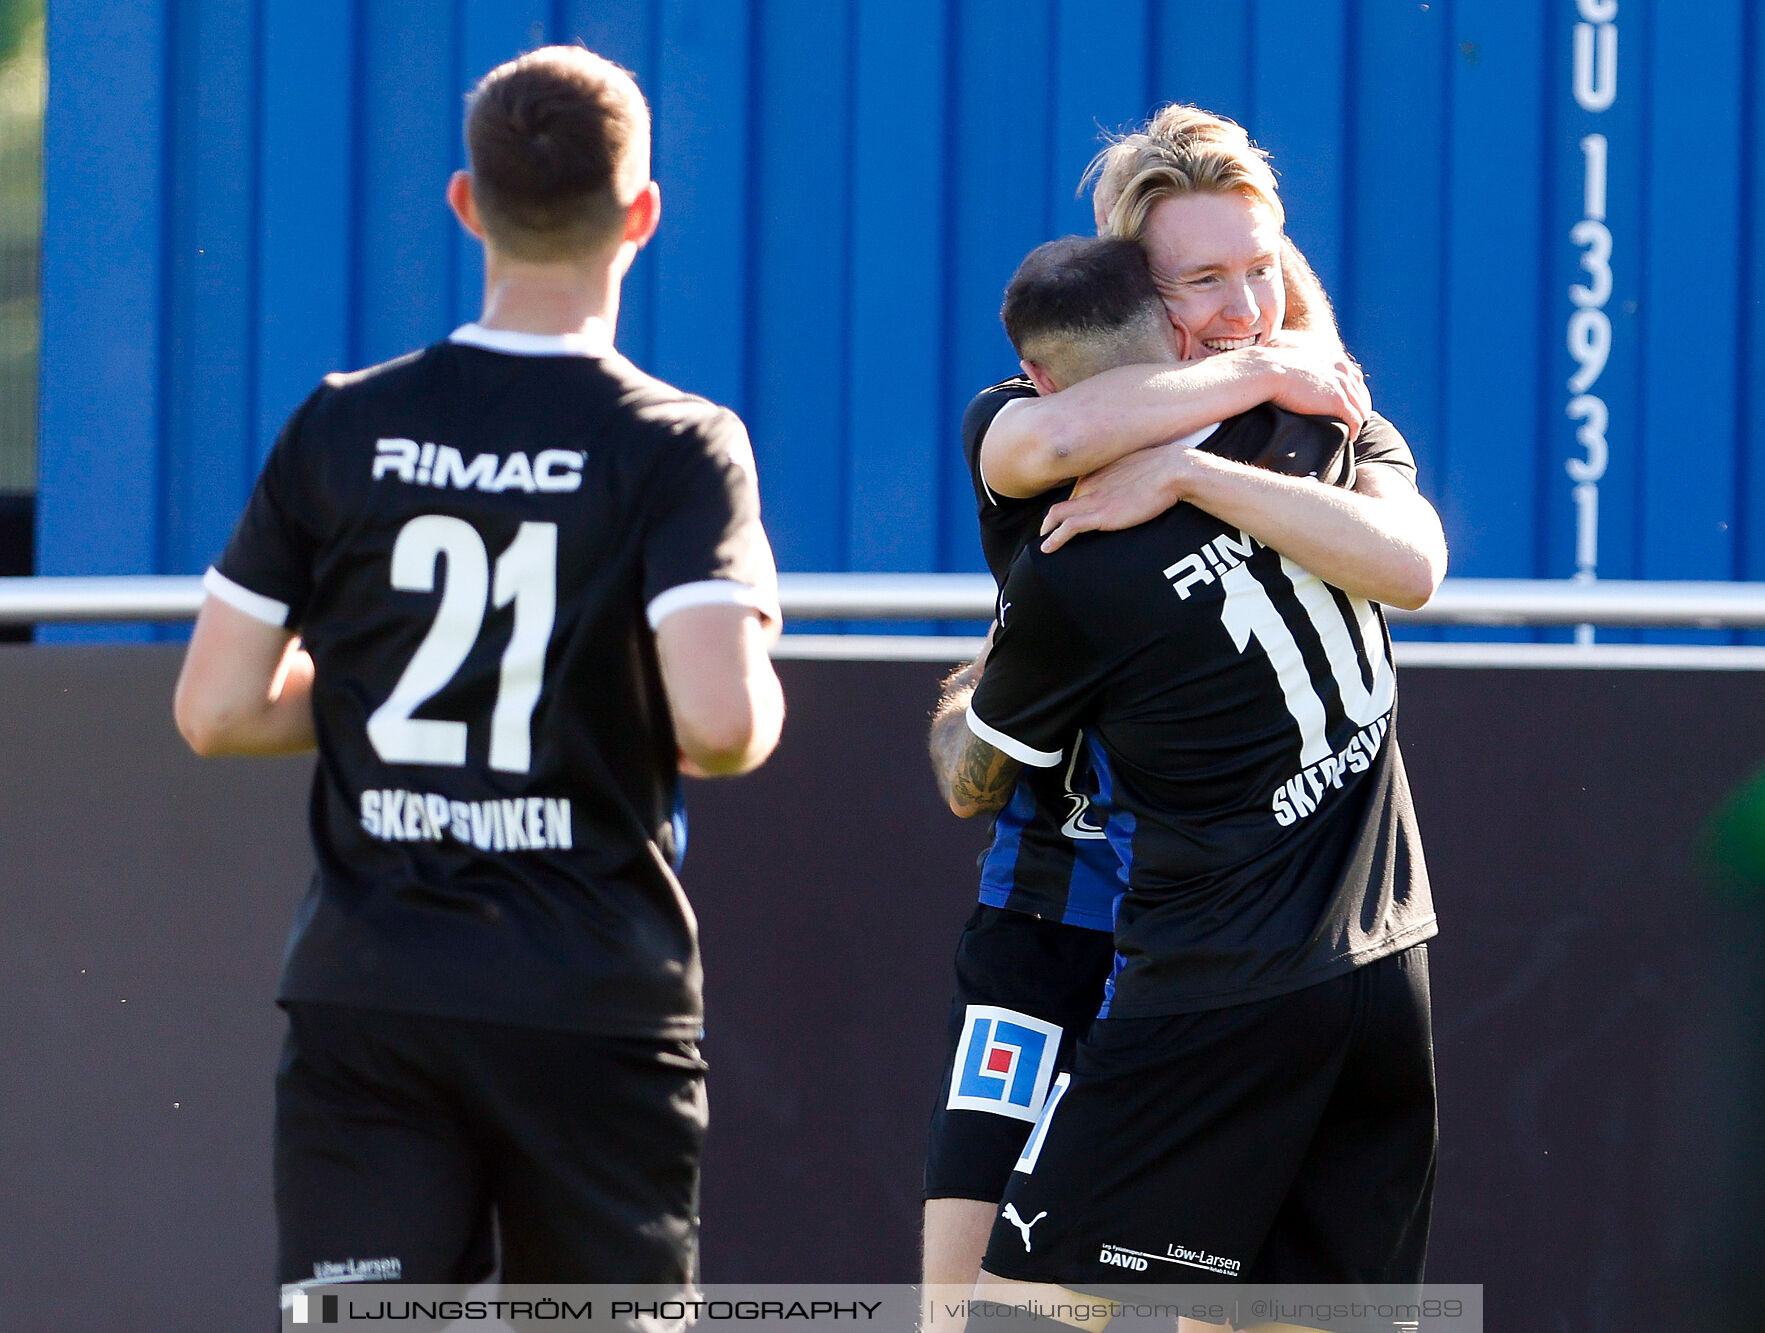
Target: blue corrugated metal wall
[244,194]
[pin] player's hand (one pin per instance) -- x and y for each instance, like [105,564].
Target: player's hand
[1316,379]
[1124,494]
[687,767]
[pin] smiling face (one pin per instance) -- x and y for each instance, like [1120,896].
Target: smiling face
[1216,259]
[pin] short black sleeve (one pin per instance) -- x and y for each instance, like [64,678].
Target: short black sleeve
[705,543]
[1381,442]
[1006,523]
[1042,674]
[267,568]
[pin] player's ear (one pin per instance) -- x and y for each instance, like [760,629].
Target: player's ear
[464,204]
[643,216]
[1039,376]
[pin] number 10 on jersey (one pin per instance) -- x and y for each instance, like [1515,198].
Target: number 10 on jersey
[526,575]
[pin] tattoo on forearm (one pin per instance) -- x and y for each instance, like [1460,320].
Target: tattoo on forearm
[972,775]
[984,777]
[949,731]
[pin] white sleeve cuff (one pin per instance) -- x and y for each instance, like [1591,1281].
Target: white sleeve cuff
[1016,749]
[253,604]
[710,592]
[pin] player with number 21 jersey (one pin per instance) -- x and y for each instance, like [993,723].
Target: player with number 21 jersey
[471,540]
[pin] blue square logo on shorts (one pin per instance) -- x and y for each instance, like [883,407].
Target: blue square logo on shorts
[1004,1063]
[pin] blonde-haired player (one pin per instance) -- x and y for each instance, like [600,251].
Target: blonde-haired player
[1200,199]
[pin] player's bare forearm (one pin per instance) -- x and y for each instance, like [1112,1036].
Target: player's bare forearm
[1382,540]
[1035,444]
[981,778]
[949,733]
[973,777]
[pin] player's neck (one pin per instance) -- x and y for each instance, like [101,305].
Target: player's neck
[550,298]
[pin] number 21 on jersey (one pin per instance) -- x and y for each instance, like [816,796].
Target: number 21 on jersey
[526,575]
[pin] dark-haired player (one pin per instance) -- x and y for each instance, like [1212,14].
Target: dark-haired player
[1035,955]
[529,584]
[1256,1100]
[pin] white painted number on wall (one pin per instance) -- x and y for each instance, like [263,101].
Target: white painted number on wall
[1594,80]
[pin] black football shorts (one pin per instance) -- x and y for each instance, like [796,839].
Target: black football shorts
[1289,1140]
[398,1136]
[1026,990]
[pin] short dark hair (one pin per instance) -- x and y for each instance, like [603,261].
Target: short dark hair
[1079,287]
[559,144]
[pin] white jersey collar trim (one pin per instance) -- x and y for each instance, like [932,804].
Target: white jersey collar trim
[596,339]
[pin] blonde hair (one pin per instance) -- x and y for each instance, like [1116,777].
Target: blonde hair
[1182,150]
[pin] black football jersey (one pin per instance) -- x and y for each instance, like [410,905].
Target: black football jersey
[475,543]
[1050,855]
[1244,707]
[1007,522]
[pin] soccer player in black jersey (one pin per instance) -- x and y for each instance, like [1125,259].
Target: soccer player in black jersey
[1256,1101]
[529,585]
[1033,959]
